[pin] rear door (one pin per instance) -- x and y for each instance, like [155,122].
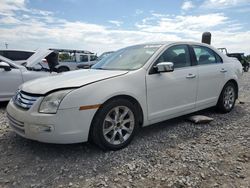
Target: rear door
[211,72]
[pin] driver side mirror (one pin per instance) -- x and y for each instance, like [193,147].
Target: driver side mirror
[5,66]
[164,67]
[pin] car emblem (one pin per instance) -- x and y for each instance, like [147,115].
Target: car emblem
[19,98]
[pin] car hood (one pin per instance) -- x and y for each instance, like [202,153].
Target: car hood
[72,79]
[37,57]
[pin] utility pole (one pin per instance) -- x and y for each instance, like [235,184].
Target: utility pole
[6,45]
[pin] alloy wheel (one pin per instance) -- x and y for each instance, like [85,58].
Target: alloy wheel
[229,97]
[118,125]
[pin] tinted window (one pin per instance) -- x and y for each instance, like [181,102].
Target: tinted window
[93,57]
[179,55]
[16,55]
[218,58]
[206,56]
[83,58]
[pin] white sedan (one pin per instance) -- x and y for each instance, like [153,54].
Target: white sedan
[136,86]
[13,75]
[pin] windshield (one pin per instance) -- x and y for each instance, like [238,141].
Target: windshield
[105,54]
[130,58]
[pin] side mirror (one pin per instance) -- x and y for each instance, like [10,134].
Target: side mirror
[164,67]
[5,66]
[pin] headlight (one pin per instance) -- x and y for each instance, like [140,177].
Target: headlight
[51,102]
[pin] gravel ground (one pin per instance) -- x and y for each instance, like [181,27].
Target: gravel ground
[173,153]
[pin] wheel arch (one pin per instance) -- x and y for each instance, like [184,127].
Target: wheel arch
[126,97]
[235,84]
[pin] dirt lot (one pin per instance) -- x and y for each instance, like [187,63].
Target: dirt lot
[173,153]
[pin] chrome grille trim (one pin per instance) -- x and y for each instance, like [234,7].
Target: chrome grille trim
[24,100]
[30,98]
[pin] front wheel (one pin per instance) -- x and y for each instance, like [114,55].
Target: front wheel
[115,124]
[227,98]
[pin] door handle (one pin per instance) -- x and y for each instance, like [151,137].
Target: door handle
[223,70]
[191,76]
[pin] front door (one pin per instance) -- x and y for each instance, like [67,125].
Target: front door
[174,92]
[9,82]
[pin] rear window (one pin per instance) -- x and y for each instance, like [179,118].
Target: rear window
[206,55]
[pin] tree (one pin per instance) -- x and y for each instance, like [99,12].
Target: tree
[64,57]
[248,58]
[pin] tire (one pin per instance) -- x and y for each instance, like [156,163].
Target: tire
[114,125]
[62,69]
[227,98]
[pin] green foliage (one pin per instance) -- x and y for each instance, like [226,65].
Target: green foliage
[64,57]
[248,58]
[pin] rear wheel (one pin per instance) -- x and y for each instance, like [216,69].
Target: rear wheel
[115,124]
[227,98]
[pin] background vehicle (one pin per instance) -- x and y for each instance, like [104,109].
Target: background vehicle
[67,59]
[135,86]
[13,75]
[70,59]
[90,64]
[17,56]
[239,56]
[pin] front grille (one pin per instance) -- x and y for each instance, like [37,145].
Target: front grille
[24,100]
[18,126]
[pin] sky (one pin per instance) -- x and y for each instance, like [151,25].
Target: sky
[104,25]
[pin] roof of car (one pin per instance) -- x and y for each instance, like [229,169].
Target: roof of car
[17,50]
[71,50]
[174,42]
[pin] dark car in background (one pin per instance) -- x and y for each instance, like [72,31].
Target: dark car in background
[17,56]
[240,56]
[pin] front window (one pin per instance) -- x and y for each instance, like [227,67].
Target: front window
[178,55]
[130,58]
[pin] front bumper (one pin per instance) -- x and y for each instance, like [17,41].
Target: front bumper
[64,127]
